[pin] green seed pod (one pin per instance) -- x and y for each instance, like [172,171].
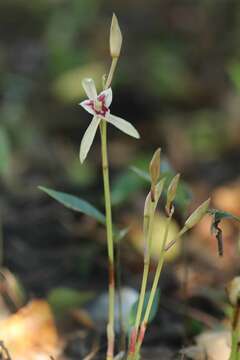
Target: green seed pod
[115,38]
[158,190]
[148,209]
[147,205]
[154,167]
[171,192]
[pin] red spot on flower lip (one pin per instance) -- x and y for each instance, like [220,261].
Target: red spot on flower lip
[104,109]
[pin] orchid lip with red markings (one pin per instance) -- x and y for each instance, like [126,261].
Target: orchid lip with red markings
[98,106]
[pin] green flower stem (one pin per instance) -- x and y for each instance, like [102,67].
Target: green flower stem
[173,242]
[153,290]
[235,352]
[147,257]
[109,225]
[158,272]
[111,73]
[107,197]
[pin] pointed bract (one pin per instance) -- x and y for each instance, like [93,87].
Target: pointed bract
[197,215]
[159,189]
[154,167]
[171,192]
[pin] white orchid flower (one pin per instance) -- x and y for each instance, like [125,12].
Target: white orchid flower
[98,106]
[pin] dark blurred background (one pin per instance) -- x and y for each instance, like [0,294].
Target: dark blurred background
[178,82]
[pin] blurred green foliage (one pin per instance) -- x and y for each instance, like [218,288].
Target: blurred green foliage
[234,72]
[62,300]
[5,150]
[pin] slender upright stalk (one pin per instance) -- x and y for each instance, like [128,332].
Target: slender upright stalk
[147,256]
[234,346]
[158,272]
[235,352]
[122,337]
[107,196]
[145,272]
[111,73]
[153,290]
[109,226]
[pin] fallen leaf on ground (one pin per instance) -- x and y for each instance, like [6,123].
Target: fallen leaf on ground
[30,334]
[211,345]
[216,344]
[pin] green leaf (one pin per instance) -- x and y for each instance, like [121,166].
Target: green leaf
[153,312]
[63,299]
[75,203]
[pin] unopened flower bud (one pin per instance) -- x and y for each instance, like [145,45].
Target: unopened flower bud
[154,167]
[158,190]
[171,192]
[147,205]
[196,216]
[147,214]
[115,38]
[233,291]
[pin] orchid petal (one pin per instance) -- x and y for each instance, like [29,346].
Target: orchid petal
[107,96]
[123,125]
[90,88]
[86,105]
[88,138]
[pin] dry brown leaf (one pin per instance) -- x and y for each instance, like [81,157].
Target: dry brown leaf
[30,334]
[215,344]
[205,246]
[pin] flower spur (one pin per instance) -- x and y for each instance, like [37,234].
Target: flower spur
[98,106]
